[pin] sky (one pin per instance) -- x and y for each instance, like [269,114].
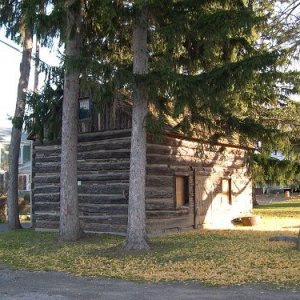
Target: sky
[9,70]
[9,76]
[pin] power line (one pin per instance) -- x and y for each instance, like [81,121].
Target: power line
[11,46]
[18,50]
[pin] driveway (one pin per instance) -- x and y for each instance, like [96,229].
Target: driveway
[50,285]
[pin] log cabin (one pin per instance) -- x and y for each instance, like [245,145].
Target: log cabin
[190,182]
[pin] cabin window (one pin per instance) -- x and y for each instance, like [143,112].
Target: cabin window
[181,191]
[26,153]
[226,190]
[85,109]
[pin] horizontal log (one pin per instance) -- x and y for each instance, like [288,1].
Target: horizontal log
[104,228]
[46,217]
[103,135]
[53,197]
[215,164]
[50,207]
[86,209]
[46,178]
[46,189]
[166,150]
[43,151]
[104,155]
[159,181]
[158,226]
[104,176]
[119,219]
[102,199]
[44,225]
[192,161]
[161,169]
[47,159]
[152,193]
[113,188]
[46,168]
[114,219]
[177,146]
[51,149]
[160,204]
[103,182]
[181,170]
[105,166]
[105,145]
[170,160]
[166,213]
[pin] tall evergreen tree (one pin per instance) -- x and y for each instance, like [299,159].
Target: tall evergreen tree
[136,230]
[16,134]
[69,213]
[18,18]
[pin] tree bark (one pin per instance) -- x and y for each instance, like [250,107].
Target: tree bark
[254,200]
[36,65]
[298,243]
[136,229]
[69,213]
[16,134]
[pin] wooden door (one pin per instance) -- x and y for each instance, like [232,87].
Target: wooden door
[203,197]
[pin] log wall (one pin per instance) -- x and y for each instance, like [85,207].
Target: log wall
[103,178]
[103,181]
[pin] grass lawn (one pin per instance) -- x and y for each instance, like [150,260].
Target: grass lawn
[210,257]
[282,209]
[282,214]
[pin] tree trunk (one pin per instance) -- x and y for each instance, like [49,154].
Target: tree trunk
[14,149]
[298,244]
[69,214]
[136,230]
[254,200]
[36,65]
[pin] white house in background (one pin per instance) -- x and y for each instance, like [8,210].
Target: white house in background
[276,188]
[25,164]
[4,145]
[25,158]
[278,155]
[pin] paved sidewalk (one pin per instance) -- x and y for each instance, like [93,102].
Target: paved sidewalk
[59,286]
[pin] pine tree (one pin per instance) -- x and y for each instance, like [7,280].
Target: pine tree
[136,230]
[69,212]
[18,20]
